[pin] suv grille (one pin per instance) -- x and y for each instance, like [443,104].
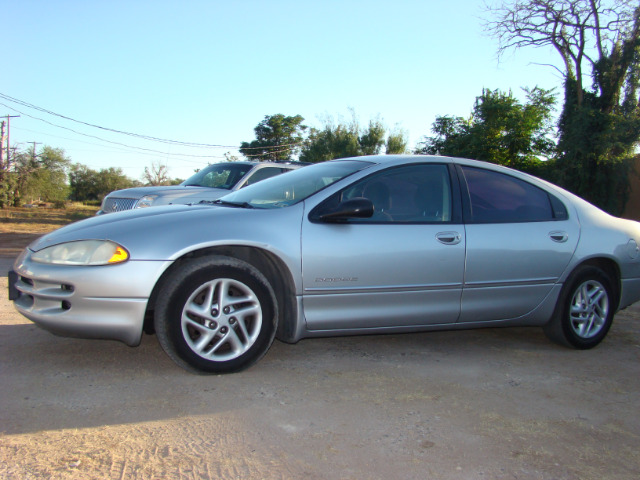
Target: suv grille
[118,204]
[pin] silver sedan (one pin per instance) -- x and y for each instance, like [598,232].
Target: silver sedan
[354,246]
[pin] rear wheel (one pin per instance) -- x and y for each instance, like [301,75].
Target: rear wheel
[217,314]
[585,310]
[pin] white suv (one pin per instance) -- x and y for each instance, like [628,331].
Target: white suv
[210,183]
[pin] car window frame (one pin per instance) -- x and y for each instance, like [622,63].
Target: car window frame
[555,203]
[456,204]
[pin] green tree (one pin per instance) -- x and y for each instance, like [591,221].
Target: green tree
[23,165]
[599,128]
[500,130]
[396,142]
[333,141]
[110,179]
[7,187]
[46,185]
[350,139]
[371,140]
[82,183]
[41,176]
[278,138]
[91,185]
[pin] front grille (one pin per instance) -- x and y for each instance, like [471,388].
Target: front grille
[118,204]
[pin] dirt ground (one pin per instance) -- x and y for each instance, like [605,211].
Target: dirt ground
[485,404]
[11,244]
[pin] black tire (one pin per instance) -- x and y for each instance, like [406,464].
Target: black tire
[585,309]
[216,314]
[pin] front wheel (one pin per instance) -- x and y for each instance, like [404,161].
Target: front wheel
[216,315]
[585,310]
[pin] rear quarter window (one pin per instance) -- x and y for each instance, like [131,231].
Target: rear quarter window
[498,198]
[264,173]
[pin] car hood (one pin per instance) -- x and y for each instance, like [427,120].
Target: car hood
[167,232]
[109,226]
[170,192]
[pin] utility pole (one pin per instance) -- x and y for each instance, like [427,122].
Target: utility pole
[4,165]
[33,153]
[1,144]
[8,117]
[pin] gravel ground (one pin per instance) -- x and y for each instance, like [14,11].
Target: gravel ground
[485,404]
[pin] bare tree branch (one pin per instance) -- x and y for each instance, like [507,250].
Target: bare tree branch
[579,30]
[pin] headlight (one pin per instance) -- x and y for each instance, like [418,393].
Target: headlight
[83,252]
[146,201]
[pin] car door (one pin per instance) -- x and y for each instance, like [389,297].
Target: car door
[402,267]
[520,240]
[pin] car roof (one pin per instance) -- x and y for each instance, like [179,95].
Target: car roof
[300,164]
[257,163]
[390,160]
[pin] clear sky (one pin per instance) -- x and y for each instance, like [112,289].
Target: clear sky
[208,71]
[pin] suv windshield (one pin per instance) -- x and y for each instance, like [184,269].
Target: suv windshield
[218,175]
[295,186]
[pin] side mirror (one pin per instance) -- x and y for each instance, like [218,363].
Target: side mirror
[353,208]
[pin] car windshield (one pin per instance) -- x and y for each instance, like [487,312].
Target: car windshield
[295,186]
[218,175]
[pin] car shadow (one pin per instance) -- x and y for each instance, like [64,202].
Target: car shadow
[53,383]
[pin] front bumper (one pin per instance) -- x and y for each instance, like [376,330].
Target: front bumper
[106,302]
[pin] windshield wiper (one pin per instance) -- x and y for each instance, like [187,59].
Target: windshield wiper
[234,204]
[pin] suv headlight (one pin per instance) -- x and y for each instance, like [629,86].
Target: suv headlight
[82,252]
[146,201]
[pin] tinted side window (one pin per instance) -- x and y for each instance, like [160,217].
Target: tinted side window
[499,198]
[411,194]
[559,210]
[265,173]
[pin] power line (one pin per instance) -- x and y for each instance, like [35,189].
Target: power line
[105,140]
[136,135]
[146,137]
[148,151]
[110,149]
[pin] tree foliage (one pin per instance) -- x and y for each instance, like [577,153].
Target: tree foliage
[36,177]
[350,139]
[278,138]
[90,185]
[500,130]
[48,178]
[599,128]
[15,175]
[397,142]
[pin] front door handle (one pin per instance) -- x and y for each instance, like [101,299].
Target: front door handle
[449,238]
[559,236]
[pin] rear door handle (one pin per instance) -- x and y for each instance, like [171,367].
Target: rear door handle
[449,238]
[559,236]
